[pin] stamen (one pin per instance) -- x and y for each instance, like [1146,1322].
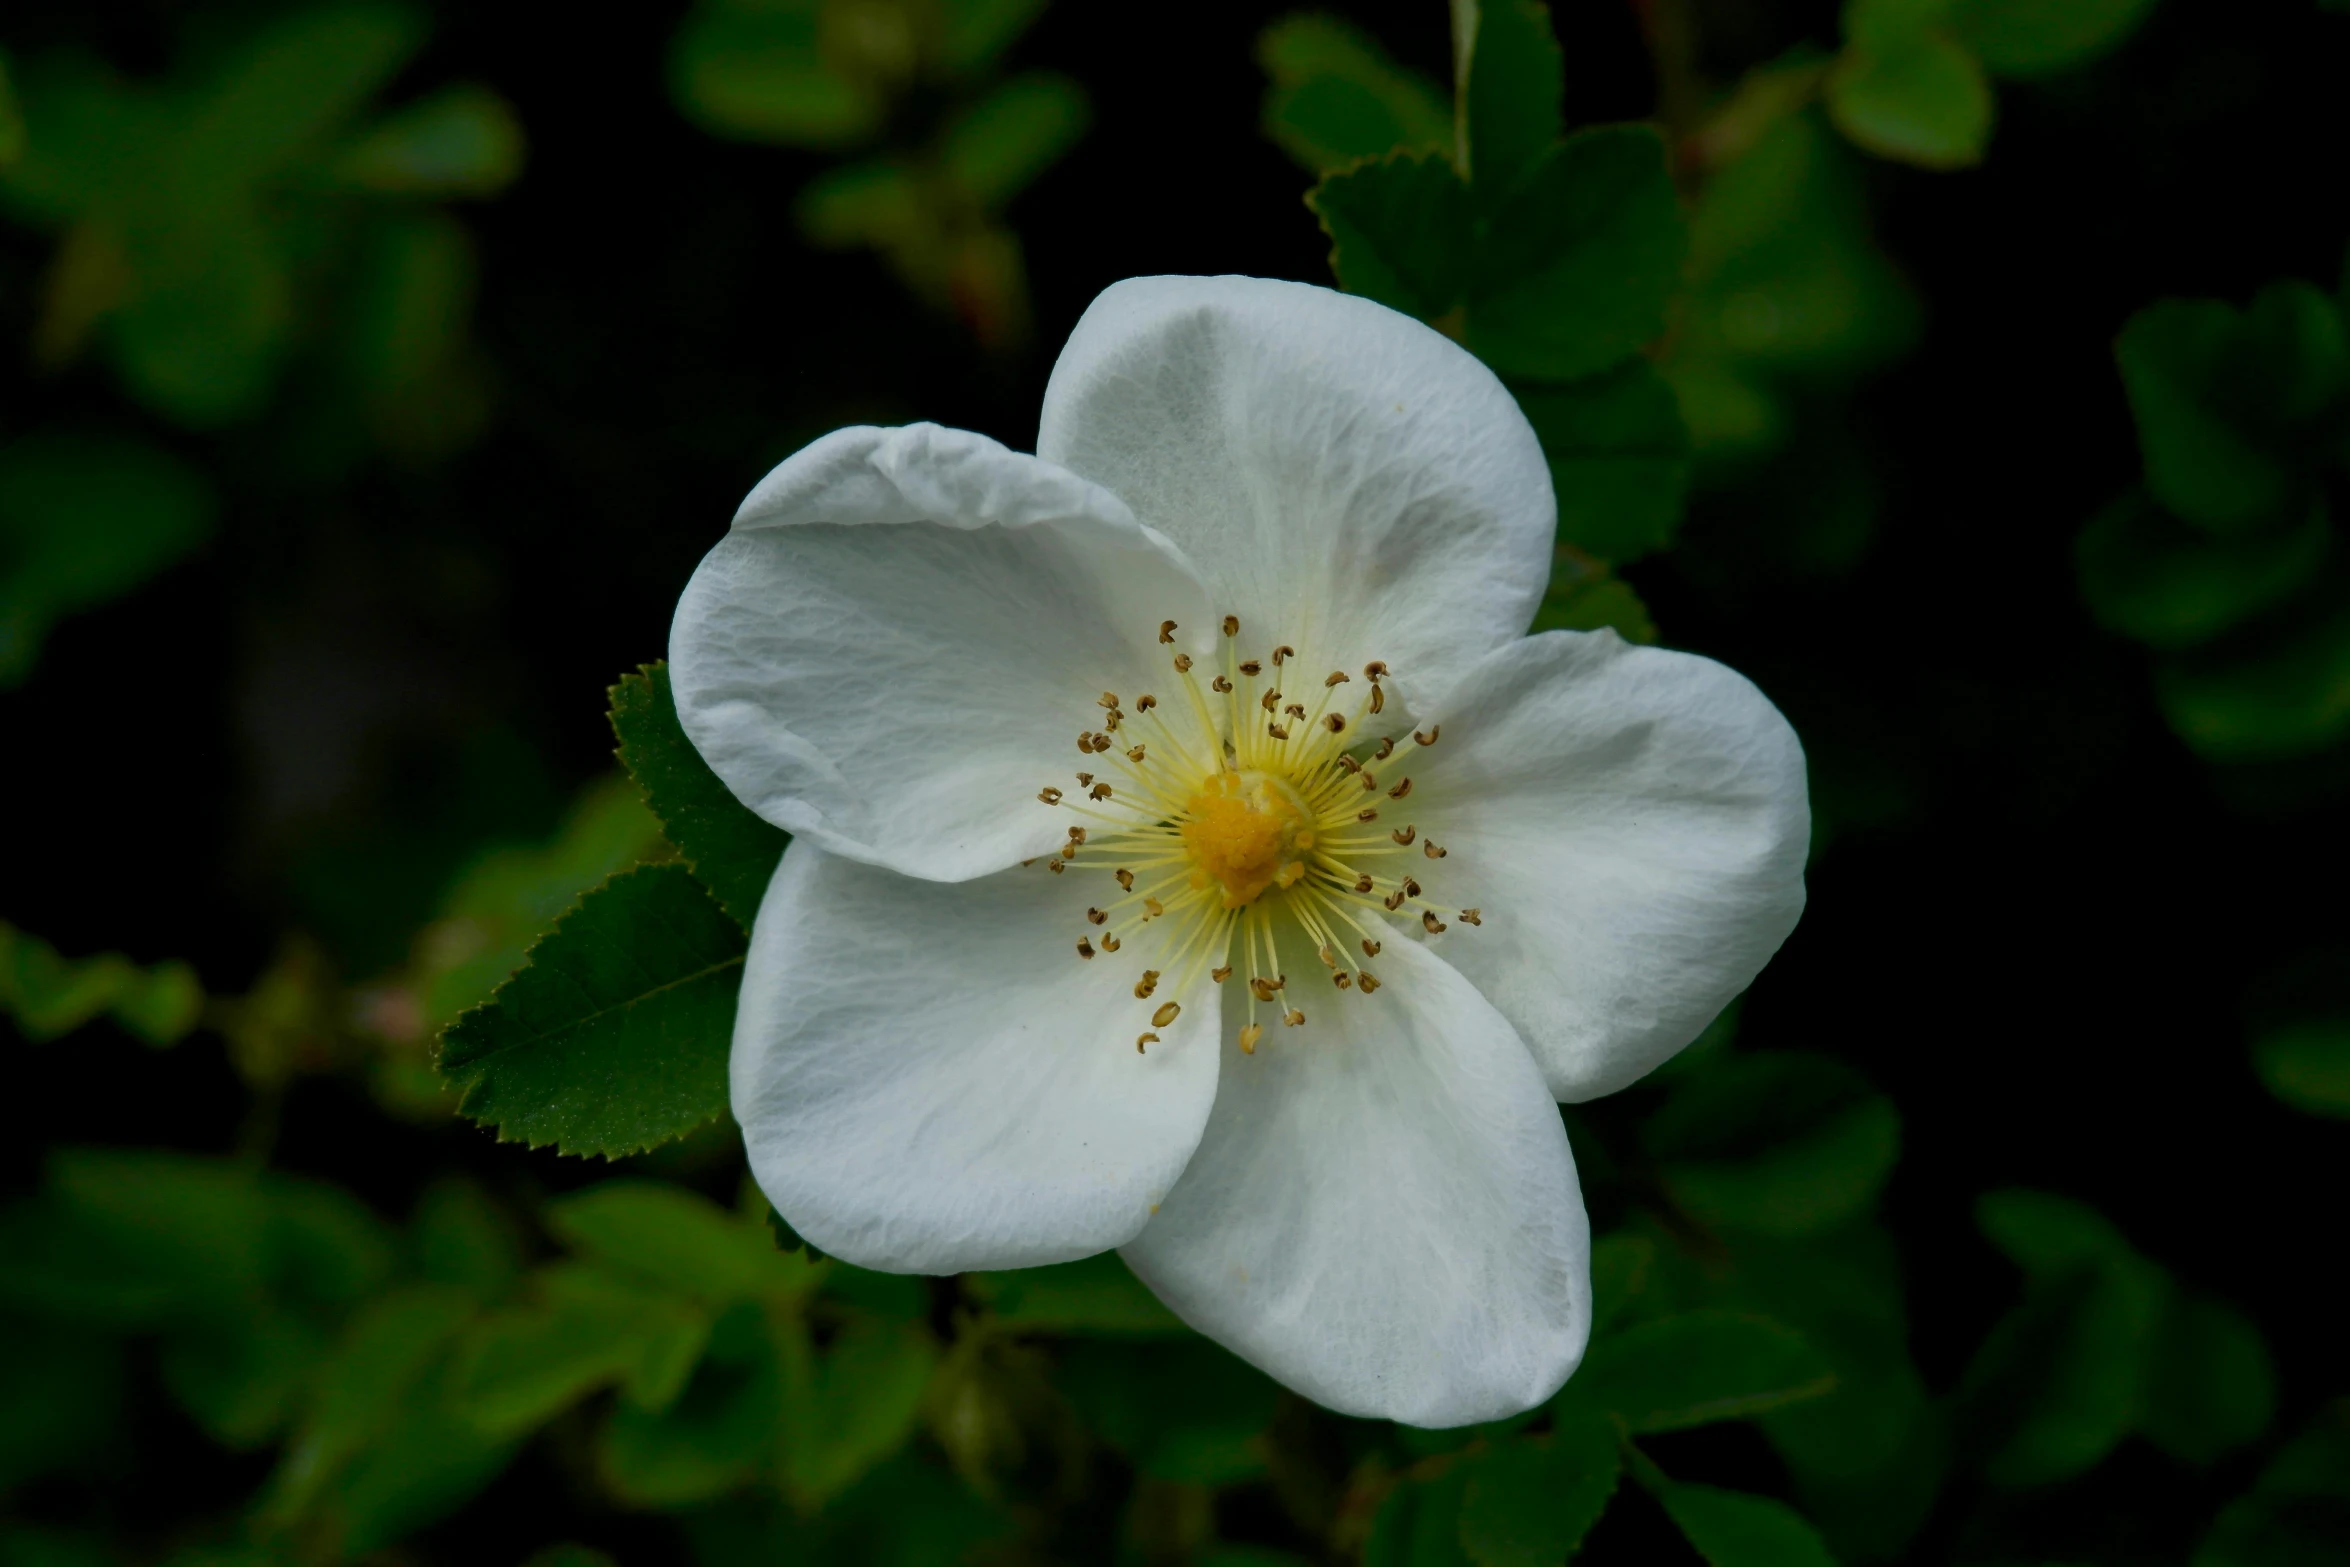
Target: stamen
[1371,948]
[1334,721]
[1221,974]
[1183,663]
[1232,625]
[1400,790]
[1141,1040]
[1083,779]
[1403,834]
[1166,1014]
[1378,699]
[1270,701]
[1049,795]
[1076,836]
[1108,699]
[1125,879]
[1220,685]
[1249,1037]
[1145,985]
[1096,917]
[1152,908]
[1166,631]
[1101,791]
[1293,1017]
[1252,669]
[1338,677]
[1109,942]
[1430,923]
[1084,948]
[1055,865]
[1368,814]
[1371,671]
[1277,731]
[1430,737]
[1472,917]
[1364,883]
[1386,749]
[1432,851]
[1365,980]
[1135,756]
[1341,980]
[1145,702]
[1283,654]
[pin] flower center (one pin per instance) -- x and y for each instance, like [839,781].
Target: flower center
[1252,816]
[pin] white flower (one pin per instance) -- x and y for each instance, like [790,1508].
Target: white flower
[1195,857]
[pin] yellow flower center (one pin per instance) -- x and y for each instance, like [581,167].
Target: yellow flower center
[1246,832]
[1252,816]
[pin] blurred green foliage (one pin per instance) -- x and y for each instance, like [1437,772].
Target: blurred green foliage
[1689,316]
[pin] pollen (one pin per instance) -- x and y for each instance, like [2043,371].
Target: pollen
[1247,836]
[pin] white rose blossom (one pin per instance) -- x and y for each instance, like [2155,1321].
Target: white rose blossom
[1194,856]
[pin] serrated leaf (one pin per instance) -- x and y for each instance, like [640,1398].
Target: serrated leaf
[2149,576]
[292,84]
[1779,1142]
[1919,97]
[1529,1502]
[2307,1065]
[1510,85]
[760,76]
[1584,596]
[1399,231]
[462,141]
[1419,1524]
[1735,1529]
[850,1407]
[1578,264]
[1093,1296]
[1336,97]
[715,1435]
[730,850]
[614,1038]
[678,1239]
[1618,455]
[1698,1368]
[2287,696]
[2031,38]
[582,1330]
[1187,1411]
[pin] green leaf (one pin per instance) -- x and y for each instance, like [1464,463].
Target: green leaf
[584,1329]
[1529,1502]
[462,141]
[2028,38]
[1399,231]
[239,1376]
[1618,455]
[2213,1387]
[716,1435]
[614,1039]
[204,336]
[2307,1065]
[1510,81]
[1419,1524]
[974,33]
[1337,97]
[2235,408]
[1699,1368]
[2298,1513]
[1584,596]
[1734,1529]
[84,520]
[677,1239]
[1620,1267]
[292,85]
[731,851]
[1186,1411]
[759,76]
[2288,696]
[60,1395]
[11,120]
[1578,264]
[1918,97]
[462,1238]
[1094,1296]
[2064,1377]
[48,996]
[997,148]
[2149,576]
[852,1406]
[1779,1143]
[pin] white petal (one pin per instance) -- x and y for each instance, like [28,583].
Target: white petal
[1383,1213]
[929,1078]
[1346,479]
[899,641]
[1633,824]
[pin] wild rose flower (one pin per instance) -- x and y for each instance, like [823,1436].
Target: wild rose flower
[1195,857]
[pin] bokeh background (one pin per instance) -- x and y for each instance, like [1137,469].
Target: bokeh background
[372,377]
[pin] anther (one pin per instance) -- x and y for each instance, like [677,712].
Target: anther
[1349,764]
[1404,834]
[1100,791]
[1293,1017]
[1432,851]
[1145,985]
[1135,755]
[1166,1014]
[1283,654]
[1378,699]
[1145,702]
[1049,795]
[1219,975]
[1340,979]
[1363,882]
[1101,743]
[1183,663]
[1334,721]
[1472,917]
[1111,720]
[1430,923]
[1366,981]
[1084,948]
[1055,865]
[1368,815]
[1083,779]
[1108,699]
[1152,908]
[1270,701]
[1249,1037]
[1220,685]
[1394,900]
[1260,987]
[1370,949]
[1166,631]
[1125,879]
[1386,749]
[1294,709]
[1076,836]
[1430,737]
[1109,942]
[1400,790]
[1337,677]
[1085,742]
[1232,625]
[1411,887]
[1096,917]
[1370,781]
[1328,957]
[1277,731]
[1374,669]
[1141,1040]
[1252,669]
